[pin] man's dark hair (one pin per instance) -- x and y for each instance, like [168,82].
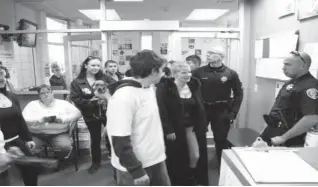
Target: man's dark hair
[167,71]
[128,73]
[195,59]
[110,62]
[144,63]
[39,88]
[1,63]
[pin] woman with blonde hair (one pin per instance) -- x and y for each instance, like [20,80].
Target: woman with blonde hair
[57,78]
[183,118]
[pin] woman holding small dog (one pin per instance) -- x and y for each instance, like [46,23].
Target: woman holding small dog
[88,101]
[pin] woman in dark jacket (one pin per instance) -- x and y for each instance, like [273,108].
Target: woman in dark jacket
[183,119]
[15,130]
[82,94]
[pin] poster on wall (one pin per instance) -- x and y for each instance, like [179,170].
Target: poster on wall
[47,70]
[115,41]
[307,9]
[184,52]
[128,57]
[128,46]
[286,8]
[115,52]
[191,41]
[198,52]
[164,48]
[122,60]
[6,50]
[191,46]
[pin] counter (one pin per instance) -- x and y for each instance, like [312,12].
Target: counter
[234,173]
[26,96]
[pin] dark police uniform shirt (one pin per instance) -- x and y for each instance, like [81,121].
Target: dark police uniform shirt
[217,85]
[297,98]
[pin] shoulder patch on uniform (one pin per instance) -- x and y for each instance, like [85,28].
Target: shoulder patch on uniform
[312,93]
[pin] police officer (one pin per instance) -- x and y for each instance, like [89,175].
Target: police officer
[218,82]
[296,105]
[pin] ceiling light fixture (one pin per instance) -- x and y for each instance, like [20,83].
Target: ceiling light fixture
[206,14]
[95,14]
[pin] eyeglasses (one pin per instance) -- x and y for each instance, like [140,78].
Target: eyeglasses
[45,93]
[296,53]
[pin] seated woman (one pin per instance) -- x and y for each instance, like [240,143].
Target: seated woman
[15,130]
[49,121]
[57,79]
[183,119]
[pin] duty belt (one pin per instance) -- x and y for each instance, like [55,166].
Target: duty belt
[216,102]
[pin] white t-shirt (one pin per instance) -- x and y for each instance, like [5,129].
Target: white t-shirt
[134,112]
[2,143]
[35,110]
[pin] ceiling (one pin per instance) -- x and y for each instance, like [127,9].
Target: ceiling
[148,9]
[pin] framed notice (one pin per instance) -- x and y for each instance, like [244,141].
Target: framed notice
[286,8]
[307,9]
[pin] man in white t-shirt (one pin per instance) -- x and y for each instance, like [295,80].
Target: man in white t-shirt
[49,121]
[134,126]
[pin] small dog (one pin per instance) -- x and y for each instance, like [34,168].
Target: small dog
[101,92]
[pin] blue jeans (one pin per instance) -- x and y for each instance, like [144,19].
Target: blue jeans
[157,173]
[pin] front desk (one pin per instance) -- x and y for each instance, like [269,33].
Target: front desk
[26,96]
[235,173]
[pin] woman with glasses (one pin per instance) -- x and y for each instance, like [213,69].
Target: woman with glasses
[15,130]
[82,94]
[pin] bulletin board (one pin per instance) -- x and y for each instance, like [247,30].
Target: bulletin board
[270,53]
[124,46]
[200,46]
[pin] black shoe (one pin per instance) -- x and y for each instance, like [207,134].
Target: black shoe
[94,168]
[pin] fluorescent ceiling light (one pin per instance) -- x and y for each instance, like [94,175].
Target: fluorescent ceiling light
[206,14]
[128,0]
[95,14]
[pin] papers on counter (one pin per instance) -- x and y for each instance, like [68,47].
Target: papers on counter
[276,166]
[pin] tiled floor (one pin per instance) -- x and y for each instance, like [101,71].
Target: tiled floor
[68,177]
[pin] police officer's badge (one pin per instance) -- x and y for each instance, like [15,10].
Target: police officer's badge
[312,93]
[223,79]
[289,87]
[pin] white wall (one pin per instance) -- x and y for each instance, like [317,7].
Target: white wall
[7,13]
[21,64]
